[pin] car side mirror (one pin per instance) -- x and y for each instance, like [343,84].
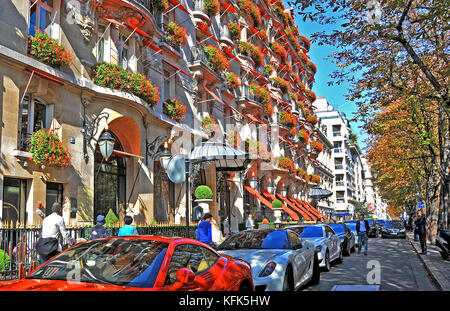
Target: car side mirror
[185,276]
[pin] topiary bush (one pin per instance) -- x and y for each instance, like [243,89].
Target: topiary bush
[203,192]
[277,204]
[111,218]
[4,260]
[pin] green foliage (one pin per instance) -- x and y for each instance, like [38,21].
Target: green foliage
[4,260]
[277,204]
[361,209]
[111,218]
[203,192]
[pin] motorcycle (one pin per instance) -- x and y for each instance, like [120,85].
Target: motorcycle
[443,242]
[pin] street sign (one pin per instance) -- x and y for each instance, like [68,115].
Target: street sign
[176,170]
[421,204]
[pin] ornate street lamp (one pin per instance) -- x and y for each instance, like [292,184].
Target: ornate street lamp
[253,182]
[295,194]
[284,191]
[165,157]
[106,144]
[270,187]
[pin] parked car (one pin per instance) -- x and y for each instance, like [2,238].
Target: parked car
[443,242]
[280,260]
[328,244]
[352,227]
[393,229]
[374,231]
[347,237]
[138,263]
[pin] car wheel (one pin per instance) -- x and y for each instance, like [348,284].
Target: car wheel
[288,283]
[315,279]
[347,249]
[327,262]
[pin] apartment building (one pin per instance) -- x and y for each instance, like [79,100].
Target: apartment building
[147,77]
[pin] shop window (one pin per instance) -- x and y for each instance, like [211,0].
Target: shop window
[34,115]
[14,200]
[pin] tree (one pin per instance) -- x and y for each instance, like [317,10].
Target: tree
[361,208]
[400,50]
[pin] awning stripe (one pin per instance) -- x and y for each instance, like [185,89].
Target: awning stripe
[178,69]
[228,7]
[311,216]
[152,46]
[314,210]
[285,208]
[220,101]
[258,196]
[296,207]
[139,31]
[177,4]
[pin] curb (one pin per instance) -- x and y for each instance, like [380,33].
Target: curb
[442,283]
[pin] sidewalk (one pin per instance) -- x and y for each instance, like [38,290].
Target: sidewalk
[437,267]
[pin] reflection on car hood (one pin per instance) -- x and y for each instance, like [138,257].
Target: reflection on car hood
[316,241]
[257,258]
[54,285]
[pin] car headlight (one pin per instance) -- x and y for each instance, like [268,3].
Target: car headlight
[318,248]
[268,269]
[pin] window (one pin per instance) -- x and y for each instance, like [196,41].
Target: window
[192,257]
[41,16]
[54,194]
[14,199]
[101,44]
[123,54]
[35,114]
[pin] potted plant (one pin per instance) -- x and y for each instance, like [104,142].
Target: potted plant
[203,195]
[280,83]
[212,7]
[249,49]
[235,31]
[315,179]
[277,206]
[317,146]
[232,81]
[233,139]
[261,94]
[174,109]
[160,5]
[278,49]
[48,50]
[302,174]
[303,136]
[48,150]
[210,126]
[263,35]
[251,10]
[268,70]
[287,119]
[312,119]
[286,163]
[176,35]
[216,59]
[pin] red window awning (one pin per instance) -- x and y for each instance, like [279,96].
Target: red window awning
[254,119]
[229,53]
[137,30]
[113,21]
[177,69]
[203,28]
[221,101]
[152,46]
[303,209]
[258,196]
[255,31]
[313,209]
[294,207]
[178,5]
[286,141]
[45,75]
[228,7]
[285,208]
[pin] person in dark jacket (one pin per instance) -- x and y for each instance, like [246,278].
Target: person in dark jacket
[362,229]
[421,230]
[204,232]
[99,231]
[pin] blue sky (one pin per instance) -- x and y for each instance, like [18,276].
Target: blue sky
[334,94]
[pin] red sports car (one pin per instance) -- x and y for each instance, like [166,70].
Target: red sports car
[138,263]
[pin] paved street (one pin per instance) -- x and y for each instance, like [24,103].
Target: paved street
[400,268]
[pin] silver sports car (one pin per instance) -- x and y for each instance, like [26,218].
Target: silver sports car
[328,244]
[280,260]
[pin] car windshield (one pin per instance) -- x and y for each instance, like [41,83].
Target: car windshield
[256,239]
[309,231]
[122,262]
[338,228]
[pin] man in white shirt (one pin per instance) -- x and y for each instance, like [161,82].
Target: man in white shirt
[249,223]
[53,227]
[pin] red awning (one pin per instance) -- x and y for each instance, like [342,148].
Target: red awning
[45,75]
[312,209]
[228,7]
[139,31]
[177,4]
[255,31]
[111,20]
[221,101]
[286,141]
[285,208]
[258,196]
[177,69]
[305,210]
[152,46]
[294,207]
[254,119]
[229,53]
[203,28]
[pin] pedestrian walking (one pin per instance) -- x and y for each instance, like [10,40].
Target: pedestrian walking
[99,231]
[128,229]
[226,227]
[421,230]
[215,232]
[250,224]
[54,234]
[204,230]
[362,229]
[416,232]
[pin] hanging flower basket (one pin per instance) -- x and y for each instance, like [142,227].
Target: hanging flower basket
[268,70]
[261,94]
[317,146]
[256,148]
[160,5]
[176,35]
[312,119]
[174,109]
[287,119]
[303,136]
[263,35]
[233,139]
[210,126]
[249,49]
[217,60]
[48,150]
[306,42]
[280,83]
[278,49]
[212,7]
[235,31]
[292,39]
[314,178]
[268,109]
[251,10]
[232,80]
[286,163]
[48,50]
[302,174]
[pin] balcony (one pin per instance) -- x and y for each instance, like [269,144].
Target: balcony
[199,13]
[247,100]
[200,63]
[225,37]
[337,134]
[339,166]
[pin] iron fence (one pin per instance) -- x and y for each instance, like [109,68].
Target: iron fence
[18,255]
